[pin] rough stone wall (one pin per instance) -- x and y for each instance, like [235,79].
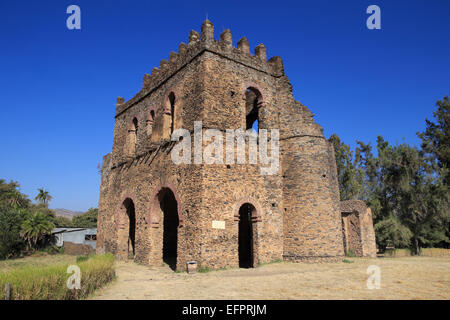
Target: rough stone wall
[140,181]
[296,212]
[225,82]
[141,177]
[312,220]
[310,189]
[357,228]
[351,231]
[368,235]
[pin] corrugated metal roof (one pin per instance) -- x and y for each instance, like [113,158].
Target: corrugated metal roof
[66,230]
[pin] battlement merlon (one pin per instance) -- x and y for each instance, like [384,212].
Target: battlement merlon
[196,46]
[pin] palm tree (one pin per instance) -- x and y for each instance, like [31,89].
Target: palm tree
[43,196]
[16,199]
[35,227]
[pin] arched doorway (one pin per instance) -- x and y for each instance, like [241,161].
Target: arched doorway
[127,230]
[169,208]
[246,238]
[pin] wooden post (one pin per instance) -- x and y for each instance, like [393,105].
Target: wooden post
[7,291]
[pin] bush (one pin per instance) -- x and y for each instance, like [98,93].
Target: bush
[52,249]
[82,258]
[50,283]
[86,220]
[10,242]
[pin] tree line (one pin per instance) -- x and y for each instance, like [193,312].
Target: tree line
[407,187]
[26,226]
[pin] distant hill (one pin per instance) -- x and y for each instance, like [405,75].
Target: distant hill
[66,213]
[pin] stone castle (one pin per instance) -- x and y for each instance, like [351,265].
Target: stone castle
[155,211]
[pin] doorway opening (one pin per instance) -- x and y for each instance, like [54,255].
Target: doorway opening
[245,247]
[131,226]
[169,207]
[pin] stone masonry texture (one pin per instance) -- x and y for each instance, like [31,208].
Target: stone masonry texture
[357,229]
[151,208]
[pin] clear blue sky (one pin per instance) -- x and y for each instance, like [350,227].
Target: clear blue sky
[58,87]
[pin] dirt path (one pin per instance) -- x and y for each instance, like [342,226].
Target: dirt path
[401,278]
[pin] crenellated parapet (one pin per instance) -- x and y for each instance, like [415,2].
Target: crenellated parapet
[197,44]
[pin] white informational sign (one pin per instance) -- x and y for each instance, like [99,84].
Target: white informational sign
[218,224]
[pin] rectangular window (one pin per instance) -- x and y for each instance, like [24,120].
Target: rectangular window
[90,237]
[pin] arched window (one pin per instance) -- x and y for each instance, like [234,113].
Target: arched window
[172,111]
[135,124]
[253,102]
[132,137]
[169,115]
[150,121]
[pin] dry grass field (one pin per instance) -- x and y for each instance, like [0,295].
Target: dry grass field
[401,278]
[37,260]
[45,277]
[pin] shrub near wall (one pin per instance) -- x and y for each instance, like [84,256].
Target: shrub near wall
[50,283]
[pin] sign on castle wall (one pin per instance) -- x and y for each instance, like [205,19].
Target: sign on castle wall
[218,224]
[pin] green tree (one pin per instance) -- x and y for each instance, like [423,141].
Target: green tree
[405,195]
[11,243]
[372,186]
[22,223]
[62,222]
[436,144]
[35,227]
[390,231]
[11,196]
[43,196]
[43,208]
[416,194]
[350,176]
[87,219]
[436,138]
